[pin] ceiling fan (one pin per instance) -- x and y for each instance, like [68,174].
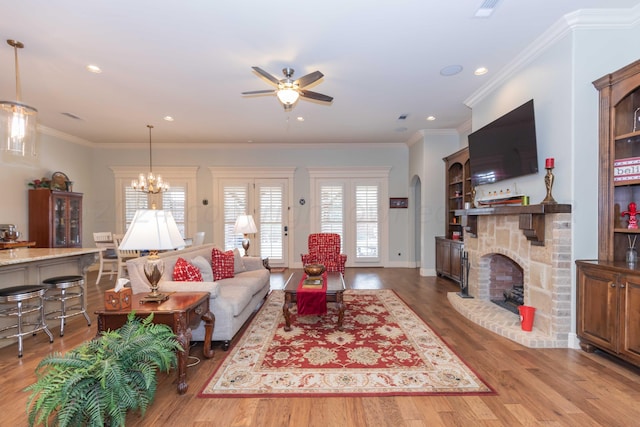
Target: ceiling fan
[288,90]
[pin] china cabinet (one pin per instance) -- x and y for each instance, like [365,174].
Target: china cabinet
[55,218]
[608,290]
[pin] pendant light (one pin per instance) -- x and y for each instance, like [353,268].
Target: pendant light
[150,184]
[17,120]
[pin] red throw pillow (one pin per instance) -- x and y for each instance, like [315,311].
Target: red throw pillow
[222,264]
[185,272]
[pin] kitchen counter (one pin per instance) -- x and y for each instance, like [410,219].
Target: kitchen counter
[30,266]
[26,255]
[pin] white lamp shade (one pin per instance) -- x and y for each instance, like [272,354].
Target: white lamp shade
[245,225]
[152,230]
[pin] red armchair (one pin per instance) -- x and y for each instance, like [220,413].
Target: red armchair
[324,248]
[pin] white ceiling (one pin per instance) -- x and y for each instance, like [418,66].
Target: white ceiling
[192,59]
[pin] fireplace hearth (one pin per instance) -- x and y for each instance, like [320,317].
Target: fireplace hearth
[508,270]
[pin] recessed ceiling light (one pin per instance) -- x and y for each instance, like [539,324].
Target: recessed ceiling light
[451,70]
[168,118]
[480,71]
[431,118]
[94,69]
[300,119]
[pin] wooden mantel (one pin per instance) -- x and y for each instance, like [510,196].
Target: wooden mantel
[531,218]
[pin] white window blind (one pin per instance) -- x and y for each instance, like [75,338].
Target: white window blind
[331,210]
[181,194]
[174,201]
[133,200]
[367,243]
[271,201]
[235,203]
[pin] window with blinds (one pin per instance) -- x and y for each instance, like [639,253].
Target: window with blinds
[367,243]
[235,203]
[173,200]
[271,202]
[332,210]
[133,200]
[180,195]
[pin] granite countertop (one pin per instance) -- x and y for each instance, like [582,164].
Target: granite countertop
[22,255]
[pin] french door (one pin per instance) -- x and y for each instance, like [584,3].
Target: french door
[264,199]
[351,204]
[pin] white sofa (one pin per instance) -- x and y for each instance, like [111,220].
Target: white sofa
[233,300]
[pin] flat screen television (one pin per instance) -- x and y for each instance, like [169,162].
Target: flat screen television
[505,148]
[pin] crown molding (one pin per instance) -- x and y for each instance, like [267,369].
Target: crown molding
[589,19]
[64,136]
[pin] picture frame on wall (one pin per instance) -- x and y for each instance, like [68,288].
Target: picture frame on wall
[398,202]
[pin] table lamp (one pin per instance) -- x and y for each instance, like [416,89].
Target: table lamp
[246,226]
[152,230]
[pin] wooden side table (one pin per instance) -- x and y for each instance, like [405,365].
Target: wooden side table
[180,312]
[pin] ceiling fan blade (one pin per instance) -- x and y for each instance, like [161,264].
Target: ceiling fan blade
[266,75]
[256,92]
[308,79]
[315,95]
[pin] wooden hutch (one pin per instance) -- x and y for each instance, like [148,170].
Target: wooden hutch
[55,218]
[608,289]
[458,191]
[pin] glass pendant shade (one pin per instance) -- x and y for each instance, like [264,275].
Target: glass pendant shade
[18,128]
[17,121]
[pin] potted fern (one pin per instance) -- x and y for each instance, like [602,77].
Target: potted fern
[97,383]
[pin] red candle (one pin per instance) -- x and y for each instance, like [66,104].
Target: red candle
[549,163]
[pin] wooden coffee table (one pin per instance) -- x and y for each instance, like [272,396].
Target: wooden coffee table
[335,291]
[180,312]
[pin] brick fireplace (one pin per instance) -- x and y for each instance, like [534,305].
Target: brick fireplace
[503,249]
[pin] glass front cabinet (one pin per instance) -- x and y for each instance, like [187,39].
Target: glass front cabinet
[55,218]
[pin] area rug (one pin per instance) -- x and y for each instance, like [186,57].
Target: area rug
[384,349]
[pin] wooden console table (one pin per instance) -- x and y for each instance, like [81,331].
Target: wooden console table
[181,311]
[531,218]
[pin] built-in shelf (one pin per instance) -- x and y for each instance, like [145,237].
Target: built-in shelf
[531,220]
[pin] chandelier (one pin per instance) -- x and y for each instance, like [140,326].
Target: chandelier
[17,120]
[151,184]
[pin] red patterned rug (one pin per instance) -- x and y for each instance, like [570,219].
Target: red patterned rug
[384,349]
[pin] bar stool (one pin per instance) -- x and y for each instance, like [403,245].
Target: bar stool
[24,301]
[58,290]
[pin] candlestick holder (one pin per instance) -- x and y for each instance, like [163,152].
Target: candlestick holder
[548,182]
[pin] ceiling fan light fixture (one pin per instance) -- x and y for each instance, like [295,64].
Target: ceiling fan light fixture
[18,120]
[288,96]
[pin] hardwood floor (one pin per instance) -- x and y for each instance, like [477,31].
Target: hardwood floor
[550,387]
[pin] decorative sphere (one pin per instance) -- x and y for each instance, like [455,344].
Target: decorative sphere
[314,270]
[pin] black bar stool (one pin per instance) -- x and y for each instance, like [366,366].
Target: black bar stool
[21,302]
[63,289]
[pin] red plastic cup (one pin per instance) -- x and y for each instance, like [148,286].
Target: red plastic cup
[526,317]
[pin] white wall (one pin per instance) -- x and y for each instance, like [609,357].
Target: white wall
[427,164]
[394,156]
[55,155]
